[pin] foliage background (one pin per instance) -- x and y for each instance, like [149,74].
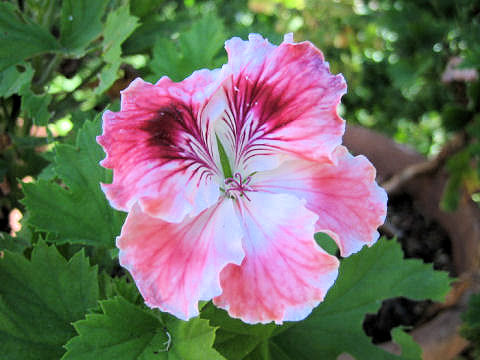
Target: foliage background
[63,62]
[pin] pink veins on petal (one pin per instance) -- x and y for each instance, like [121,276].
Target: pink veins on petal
[227,175]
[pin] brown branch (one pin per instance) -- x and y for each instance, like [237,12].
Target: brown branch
[396,182]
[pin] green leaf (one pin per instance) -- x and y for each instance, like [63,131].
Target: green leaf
[119,286]
[335,326]
[145,36]
[452,192]
[36,106]
[14,244]
[127,332]
[203,41]
[167,60]
[107,76]
[28,142]
[236,339]
[145,8]
[20,38]
[81,213]
[410,349]
[47,173]
[197,48]
[118,27]
[13,79]
[80,24]
[471,321]
[326,242]
[39,299]
[459,167]
[120,24]
[455,117]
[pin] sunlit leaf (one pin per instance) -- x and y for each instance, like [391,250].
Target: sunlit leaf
[197,49]
[118,27]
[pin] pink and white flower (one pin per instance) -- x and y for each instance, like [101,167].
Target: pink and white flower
[227,175]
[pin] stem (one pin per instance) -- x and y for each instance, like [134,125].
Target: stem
[46,17]
[51,66]
[90,76]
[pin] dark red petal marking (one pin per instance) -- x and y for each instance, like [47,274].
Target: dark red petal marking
[280,99]
[159,139]
[174,134]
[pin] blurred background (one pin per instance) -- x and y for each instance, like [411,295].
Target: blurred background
[413,107]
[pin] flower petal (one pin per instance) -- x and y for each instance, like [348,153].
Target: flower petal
[278,99]
[176,265]
[284,274]
[342,191]
[159,146]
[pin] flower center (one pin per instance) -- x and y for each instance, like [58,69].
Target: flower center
[236,186]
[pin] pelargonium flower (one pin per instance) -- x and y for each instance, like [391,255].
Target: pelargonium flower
[227,175]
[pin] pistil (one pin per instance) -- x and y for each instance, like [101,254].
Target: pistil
[237,184]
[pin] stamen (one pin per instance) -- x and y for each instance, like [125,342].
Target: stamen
[237,184]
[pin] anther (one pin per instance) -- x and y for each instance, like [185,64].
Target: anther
[236,183]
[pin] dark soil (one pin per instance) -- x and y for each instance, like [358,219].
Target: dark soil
[420,238]
[4,225]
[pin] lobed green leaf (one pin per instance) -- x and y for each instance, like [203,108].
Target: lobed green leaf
[197,48]
[79,213]
[125,331]
[118,27]
[40,298]
[80,24]
[20,38]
